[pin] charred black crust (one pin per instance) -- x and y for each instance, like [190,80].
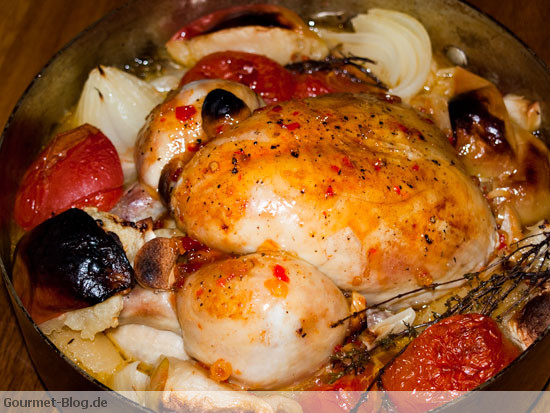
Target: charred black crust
[220,104]
[222,107]
[71,255]
[469,115]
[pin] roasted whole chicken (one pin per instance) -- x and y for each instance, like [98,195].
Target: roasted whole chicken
[365,189]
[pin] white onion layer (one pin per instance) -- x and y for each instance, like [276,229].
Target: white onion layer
[397,42]
[117,103]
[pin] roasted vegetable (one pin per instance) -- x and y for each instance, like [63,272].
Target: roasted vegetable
[78,168]
[155,262]
[267,29]
[67,263]
[456,354]
[533,319]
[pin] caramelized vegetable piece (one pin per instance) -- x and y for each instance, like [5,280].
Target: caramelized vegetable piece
[480,132]
[67,263]
[534,318]
[155,262]
[78,168]
[266,29]
[456,354]
[512,163]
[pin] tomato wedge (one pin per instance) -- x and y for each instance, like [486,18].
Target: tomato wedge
[78,168]
[265,76]
[454,355]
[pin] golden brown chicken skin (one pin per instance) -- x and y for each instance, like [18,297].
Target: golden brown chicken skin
[364,188]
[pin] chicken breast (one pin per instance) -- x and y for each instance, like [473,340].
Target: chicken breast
[364,188]
[268,316]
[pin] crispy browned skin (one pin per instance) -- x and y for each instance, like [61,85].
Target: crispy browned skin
[367,190]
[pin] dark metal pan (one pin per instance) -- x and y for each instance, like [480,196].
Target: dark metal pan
[142,25]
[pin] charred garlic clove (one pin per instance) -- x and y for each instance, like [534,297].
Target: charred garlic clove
[155,262]
[533,319]
[68,262]
[270,30]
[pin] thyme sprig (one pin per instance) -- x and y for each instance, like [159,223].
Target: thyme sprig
[339,65]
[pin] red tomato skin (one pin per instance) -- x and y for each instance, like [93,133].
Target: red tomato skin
[454,355]
[265,76]
[310,85]
[78,168]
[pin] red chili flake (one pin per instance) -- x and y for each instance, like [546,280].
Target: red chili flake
[222,282]
[347,162]
[191,244]
[397,190]
[415,167]
[277,108]
[325,213]
[163,119]
[199,292]
[191,147]
[291,126]
[335,168]
[176,174]
[502,241]
[239,152]
[240,177]
[337,348]
[329,192]
[183,113]
[372,251]
[378,165]
[402,128]
[295,113]
[451,138]
[428,120]
[220,128]
[280,273]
